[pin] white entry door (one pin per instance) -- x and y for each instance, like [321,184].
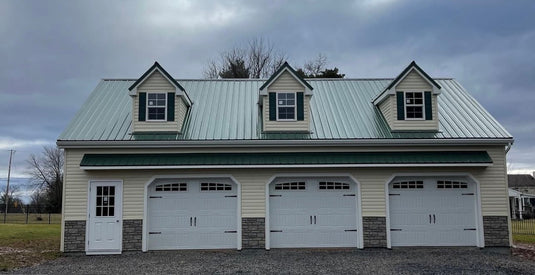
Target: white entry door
[192,214]
[105,217]
[313,213]
[433,212]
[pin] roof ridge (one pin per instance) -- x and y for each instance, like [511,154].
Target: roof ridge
[263,79]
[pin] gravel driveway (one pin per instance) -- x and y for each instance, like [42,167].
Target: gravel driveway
[369,261]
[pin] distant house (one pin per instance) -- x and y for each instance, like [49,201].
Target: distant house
[522,196]
[157,163]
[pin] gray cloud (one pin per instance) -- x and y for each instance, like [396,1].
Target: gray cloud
[54,53]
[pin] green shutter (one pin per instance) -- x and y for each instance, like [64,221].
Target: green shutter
[170,106]
[401,106]
[428,106]
[300,106]
[142,106]
[272,106]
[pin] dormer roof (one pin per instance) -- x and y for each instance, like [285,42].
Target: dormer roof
[157,67]
[412,66]
[280,71]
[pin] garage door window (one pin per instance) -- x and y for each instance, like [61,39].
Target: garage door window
[172,187]
[290,186]
[408,185]
[212,186]
[448,184]
[331,185]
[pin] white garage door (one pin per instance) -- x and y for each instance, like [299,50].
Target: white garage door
[192,214]
[313,213]
[433,212]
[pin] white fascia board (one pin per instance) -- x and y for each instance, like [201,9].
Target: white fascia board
[384,95]
[284,166]
[281,143]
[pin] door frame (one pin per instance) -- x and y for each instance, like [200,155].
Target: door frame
[479,216]
[145,238]
[88,218]
[358,210]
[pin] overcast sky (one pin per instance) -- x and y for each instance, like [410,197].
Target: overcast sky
[53,54]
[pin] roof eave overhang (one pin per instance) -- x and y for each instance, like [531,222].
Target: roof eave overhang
[483,164]
[283,143]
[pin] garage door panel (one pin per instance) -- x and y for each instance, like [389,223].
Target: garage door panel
[224,222]
[432,212]
[336,220]
[279,221]
[312,217]
[191,218]
[409,220]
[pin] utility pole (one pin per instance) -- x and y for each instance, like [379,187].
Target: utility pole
[7,187]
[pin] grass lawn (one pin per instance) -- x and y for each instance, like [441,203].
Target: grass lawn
[28,244]
[519,238]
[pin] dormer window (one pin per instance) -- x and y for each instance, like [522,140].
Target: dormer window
[156,106]
[286,106]
[410,101]
[284,101]
[414,105]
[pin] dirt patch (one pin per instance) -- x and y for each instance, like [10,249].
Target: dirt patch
[526,251]
[28,253]
[8,250]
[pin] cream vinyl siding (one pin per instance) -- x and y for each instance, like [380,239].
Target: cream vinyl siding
[402,125]
[286,82]
[413,81]
[156,82]
[494,194]
[386,110]
[286,126]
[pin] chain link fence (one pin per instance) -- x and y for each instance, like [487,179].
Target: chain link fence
[28,214]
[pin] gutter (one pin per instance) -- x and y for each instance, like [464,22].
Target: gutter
[280,143]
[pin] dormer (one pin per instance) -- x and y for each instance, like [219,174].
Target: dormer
[410,101]
[284,100]
[159,102]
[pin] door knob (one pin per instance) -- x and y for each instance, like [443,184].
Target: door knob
[117,221]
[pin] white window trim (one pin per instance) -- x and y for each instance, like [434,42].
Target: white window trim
[413,105]
[147,108]
[295,106]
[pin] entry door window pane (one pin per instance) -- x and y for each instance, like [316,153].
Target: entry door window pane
[105,201]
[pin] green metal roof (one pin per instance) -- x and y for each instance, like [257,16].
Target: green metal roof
[308,158]
[228,110]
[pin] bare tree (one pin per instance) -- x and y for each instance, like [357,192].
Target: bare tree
[257,59]
[14,199]
[315,66]
[47,175]
[263,58]
[212,70]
